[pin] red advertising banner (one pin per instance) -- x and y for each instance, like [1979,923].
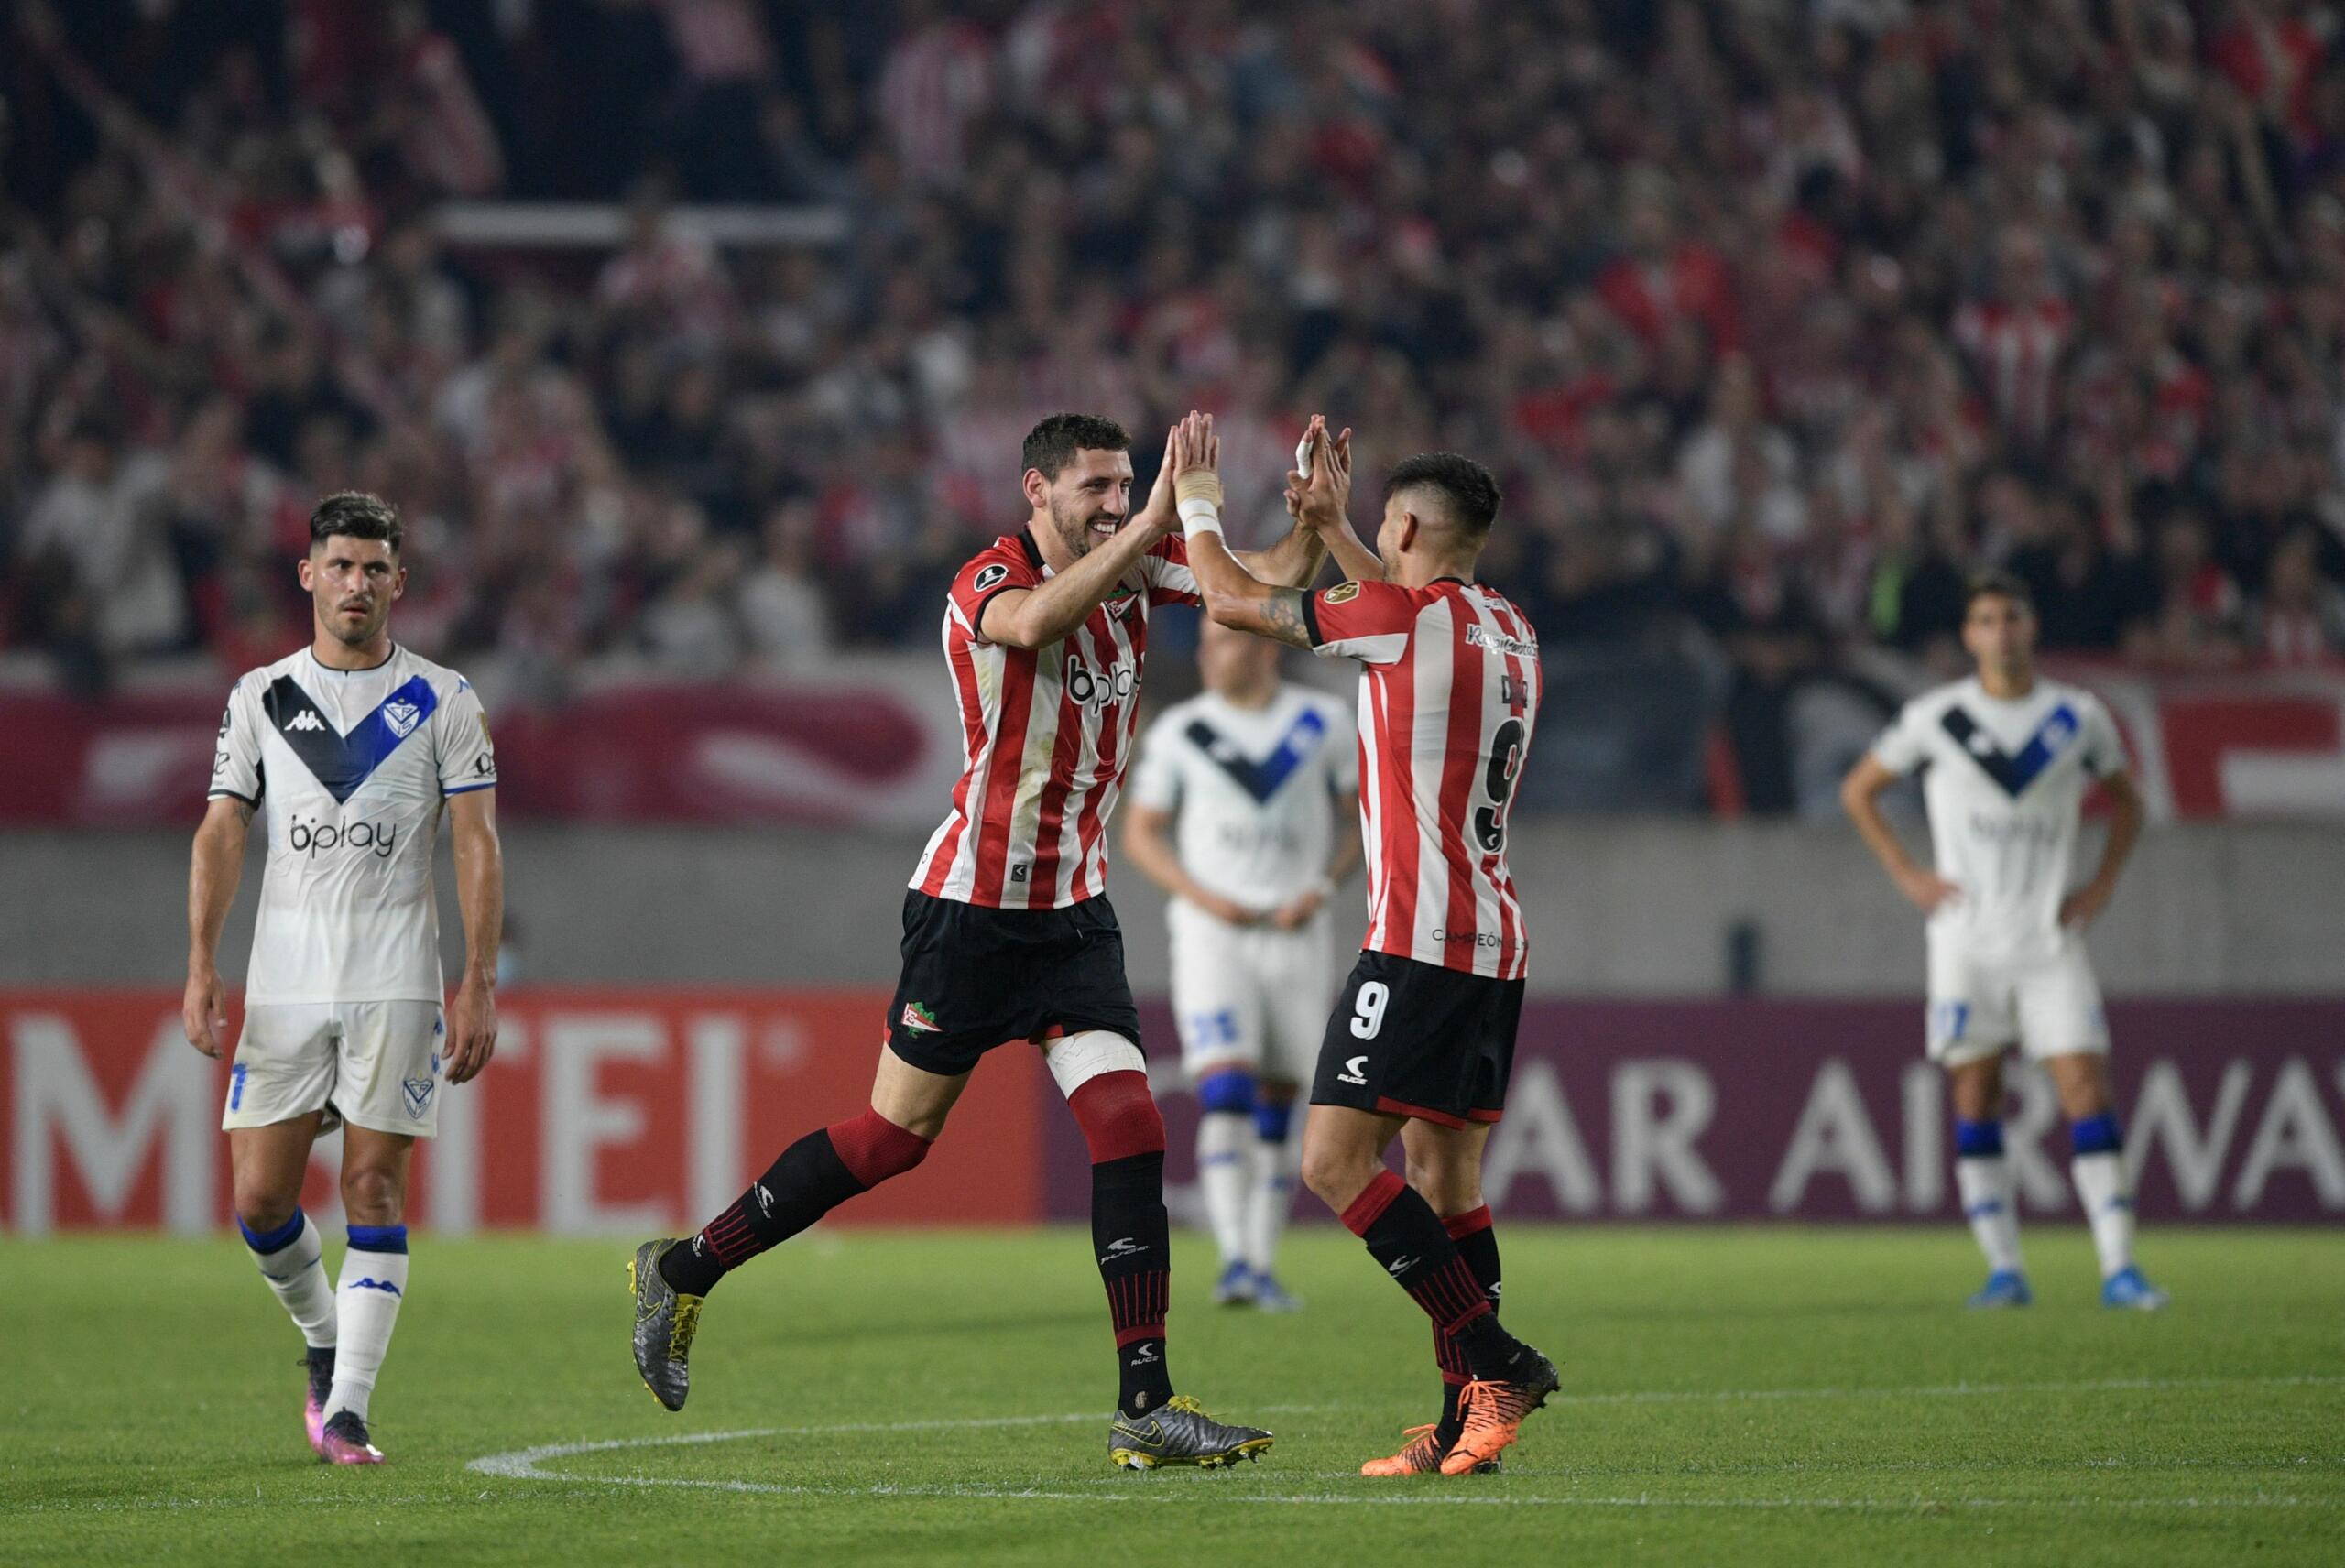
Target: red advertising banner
[619,1111]
[878,745]
[877,749]
[636,1111]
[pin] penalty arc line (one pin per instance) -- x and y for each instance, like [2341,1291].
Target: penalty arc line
[526,1464]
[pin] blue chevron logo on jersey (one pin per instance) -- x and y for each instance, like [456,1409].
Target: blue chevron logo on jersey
[1264,779]
[2013,771]
[343,762]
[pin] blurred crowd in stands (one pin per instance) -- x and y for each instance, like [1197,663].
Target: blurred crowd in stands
[1777,317]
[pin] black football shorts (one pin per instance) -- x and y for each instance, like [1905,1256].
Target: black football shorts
[974,979]
[1415,1039]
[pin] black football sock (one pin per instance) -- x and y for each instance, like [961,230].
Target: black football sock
[1477,1243]
[813,1176]
[1452,1425]
[1407,1238]
[808,1182]
[1132,1237]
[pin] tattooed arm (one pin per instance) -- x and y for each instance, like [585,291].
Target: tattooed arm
[1236,597]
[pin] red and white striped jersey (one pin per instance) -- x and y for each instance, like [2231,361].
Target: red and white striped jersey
[2018,349]
[1046,733]
[1447,698]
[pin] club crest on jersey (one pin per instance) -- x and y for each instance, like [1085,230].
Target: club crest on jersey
[402,718]
[919,1019]
[1341,593]
[419,1095]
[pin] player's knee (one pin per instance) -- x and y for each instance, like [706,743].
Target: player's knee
[1450,1191]
[264,1210]
[2082,1082]
[1228,1089]
[874,1149]
[1119,1117]
[371,1196]
[1076,1059]
[1441,1187]
[1336,1175]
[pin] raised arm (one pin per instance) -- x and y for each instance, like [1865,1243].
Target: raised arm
[1327,514]
[1034,618]
[480,894]
[1234,595]
[1291,562]
[217,867]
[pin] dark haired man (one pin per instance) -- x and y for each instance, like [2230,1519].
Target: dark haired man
[1009,937]
[357,748]
[1421,1040]
[2010,756]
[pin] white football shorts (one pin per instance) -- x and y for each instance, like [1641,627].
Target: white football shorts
[1250,997]
[2047,1004]
[373,1065]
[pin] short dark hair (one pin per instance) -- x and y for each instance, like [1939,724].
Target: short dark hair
[1996,584]
[357,515]
[1469,490]
[1051,445]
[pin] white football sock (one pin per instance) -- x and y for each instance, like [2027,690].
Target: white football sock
[372,1285]
[1278,1169]
[1225,1149]
[2100,1187]
[297,1274]
[1991,1205]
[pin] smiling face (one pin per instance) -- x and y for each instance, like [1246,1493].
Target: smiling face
[352,583]
[1089,499]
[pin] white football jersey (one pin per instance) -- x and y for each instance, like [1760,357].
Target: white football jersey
[2005,788]
[351,769]
[1256,789]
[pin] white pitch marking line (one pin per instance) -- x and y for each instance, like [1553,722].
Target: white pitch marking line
[526,1464]
[1944,1390]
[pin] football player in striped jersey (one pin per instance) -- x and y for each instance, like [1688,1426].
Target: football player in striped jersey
[1007,934]
[1421,1040]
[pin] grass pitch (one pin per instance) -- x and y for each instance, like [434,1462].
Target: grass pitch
[1751,1394]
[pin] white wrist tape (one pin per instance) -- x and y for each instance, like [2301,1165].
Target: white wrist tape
[1199,515]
